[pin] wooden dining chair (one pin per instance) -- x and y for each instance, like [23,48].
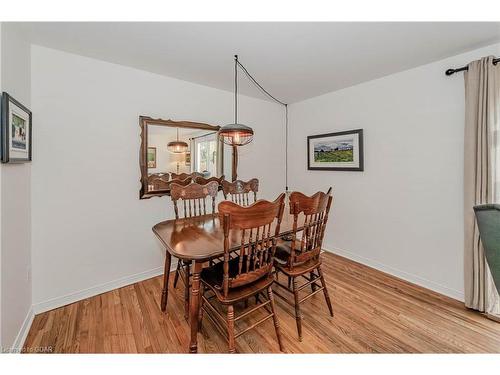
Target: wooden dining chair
[194,175]
[184,182]
[183,176]
[301,257]
[159,181]
[179,176]
[194,203]
[202,180]
[239,191]
[251,232]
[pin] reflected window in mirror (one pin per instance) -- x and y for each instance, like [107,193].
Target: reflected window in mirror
[205,155]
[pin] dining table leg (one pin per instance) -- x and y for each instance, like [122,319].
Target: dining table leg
[194,306]
[187,268]
[166,277]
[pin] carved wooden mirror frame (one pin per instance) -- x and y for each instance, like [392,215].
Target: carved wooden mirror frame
[144,121]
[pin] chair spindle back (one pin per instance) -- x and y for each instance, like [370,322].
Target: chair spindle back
[315,210]
[193,197]
[253,226]
[238,191]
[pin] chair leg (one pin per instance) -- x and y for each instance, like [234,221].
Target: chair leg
[298,315]
[230,329]
[325,291]
[176,278]
[200,316]
[313,276]
[187,271]
[275,317]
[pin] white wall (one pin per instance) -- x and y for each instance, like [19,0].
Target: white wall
[1,167]
[90,230]
[15,203]
[404,213]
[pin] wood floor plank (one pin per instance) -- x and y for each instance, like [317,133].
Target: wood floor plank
[374,313]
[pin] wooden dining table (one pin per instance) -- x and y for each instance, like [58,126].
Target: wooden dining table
[200,239]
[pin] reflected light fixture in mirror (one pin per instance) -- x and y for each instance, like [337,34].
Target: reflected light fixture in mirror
[177,147]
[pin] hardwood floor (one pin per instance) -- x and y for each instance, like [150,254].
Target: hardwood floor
[374,312]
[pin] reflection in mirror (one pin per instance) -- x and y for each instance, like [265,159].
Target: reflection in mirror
[197,152]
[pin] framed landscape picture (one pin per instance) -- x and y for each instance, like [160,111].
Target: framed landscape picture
[341,151]
[16,131]
[151,157]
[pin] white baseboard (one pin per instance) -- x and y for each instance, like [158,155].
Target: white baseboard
[23,332]
[98,289]
[455,294]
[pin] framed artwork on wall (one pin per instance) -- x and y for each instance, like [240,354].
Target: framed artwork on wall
[151,157]
[188,158]
[16,123]
[340,151]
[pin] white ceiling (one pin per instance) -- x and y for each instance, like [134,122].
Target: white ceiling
[293,61]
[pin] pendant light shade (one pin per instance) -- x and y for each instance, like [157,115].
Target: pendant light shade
[177,147]
[236,134]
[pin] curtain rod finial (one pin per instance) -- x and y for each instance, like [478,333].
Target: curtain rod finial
[449,72]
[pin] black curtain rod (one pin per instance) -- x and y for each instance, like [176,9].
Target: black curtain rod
[449,72]
[201,136]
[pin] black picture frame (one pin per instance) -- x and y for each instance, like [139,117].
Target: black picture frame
[6,157]
[361,163]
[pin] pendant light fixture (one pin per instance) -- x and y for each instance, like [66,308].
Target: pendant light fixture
[236,134]
[177,147]
[239,134]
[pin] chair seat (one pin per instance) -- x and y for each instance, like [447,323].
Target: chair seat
[298,269]
[283,250]
[281,256]
[213,278]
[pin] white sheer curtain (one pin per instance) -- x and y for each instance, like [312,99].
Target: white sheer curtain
[192,150]
[205,154]
[481,176]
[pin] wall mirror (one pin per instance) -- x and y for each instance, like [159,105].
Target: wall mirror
[176,150]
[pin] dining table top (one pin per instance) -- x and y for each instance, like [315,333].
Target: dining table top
[202,237]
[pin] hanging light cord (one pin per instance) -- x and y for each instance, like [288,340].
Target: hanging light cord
[235,89]
[257,83]
[286,147]
[254,81]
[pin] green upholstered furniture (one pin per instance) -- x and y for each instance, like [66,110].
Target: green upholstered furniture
[488,221]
